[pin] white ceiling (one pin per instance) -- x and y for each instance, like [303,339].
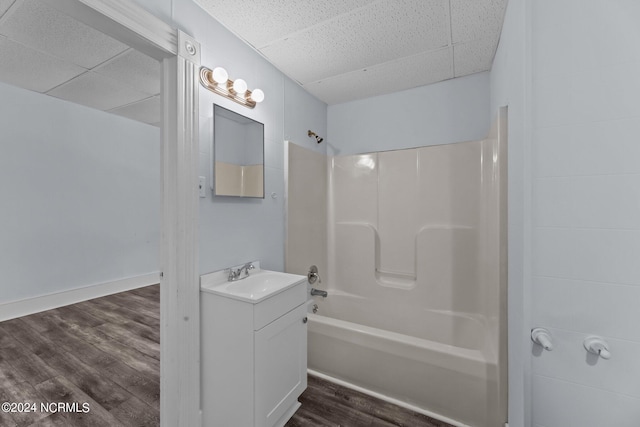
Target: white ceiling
[43,50]
[341,50]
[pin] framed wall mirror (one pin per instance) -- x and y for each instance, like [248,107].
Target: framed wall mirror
[238,155]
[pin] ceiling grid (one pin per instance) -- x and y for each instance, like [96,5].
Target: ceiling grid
[54,54]
[351,49]
[338,50]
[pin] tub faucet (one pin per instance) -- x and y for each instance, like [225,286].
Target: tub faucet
[318,292]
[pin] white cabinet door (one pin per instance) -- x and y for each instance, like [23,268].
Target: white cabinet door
[280,366]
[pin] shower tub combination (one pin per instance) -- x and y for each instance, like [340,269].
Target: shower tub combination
[449,373]
[416,312]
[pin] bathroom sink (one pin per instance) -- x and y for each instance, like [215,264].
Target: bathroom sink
[260,285]
[253,346]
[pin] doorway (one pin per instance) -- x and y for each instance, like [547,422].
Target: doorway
[123,34]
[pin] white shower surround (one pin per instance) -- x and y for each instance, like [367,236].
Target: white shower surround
[420,322]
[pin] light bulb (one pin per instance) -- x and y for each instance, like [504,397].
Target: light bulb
[220,75]
[257,95]
[240,86]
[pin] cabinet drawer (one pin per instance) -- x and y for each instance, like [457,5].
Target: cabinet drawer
[270,309]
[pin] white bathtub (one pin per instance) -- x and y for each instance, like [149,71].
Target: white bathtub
[442,367]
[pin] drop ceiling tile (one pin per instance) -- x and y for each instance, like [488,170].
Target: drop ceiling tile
[33,70]
[43,28]
[4,5]
[134,69]
[263,22]
[474,57]
[146,111]
[476,19]
[377,33]
[404,73]
[97,91]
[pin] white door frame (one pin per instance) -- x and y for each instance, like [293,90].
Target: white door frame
[180,280]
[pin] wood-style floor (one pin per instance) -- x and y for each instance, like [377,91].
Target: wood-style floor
[329,405]
[106,352]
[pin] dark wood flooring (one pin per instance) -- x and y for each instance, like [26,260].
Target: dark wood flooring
[329,405]
[106,352]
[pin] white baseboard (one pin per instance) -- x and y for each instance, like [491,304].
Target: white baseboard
[11,310]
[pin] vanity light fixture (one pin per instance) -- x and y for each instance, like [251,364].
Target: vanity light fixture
[218,81]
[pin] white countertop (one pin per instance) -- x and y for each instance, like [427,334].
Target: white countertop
[258,286]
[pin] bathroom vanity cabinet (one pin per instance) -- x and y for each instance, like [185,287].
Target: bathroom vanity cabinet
[254,354]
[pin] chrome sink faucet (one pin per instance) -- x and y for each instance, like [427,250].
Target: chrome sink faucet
[236,274]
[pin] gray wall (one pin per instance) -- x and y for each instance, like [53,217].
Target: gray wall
[451,111]
[585,174]
[81,188]
[574,180]
[80,193]
[233,231]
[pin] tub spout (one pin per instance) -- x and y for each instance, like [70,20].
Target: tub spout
[318,292]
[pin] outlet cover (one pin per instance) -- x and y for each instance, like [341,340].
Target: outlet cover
[202,185]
